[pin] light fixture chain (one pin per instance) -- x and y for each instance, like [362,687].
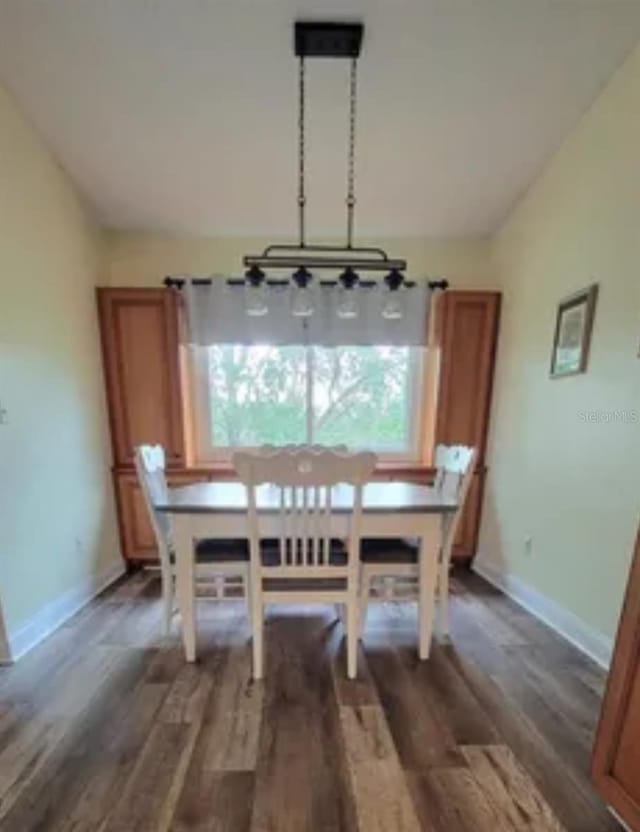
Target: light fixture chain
[301,152]
[351,197]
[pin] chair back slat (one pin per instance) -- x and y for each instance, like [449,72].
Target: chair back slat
[304,478]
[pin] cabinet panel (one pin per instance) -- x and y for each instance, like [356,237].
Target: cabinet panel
[140,347]
[468,330]
[136,534]
[616,755]
[466,538]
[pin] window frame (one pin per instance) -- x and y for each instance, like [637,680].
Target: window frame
[205,453]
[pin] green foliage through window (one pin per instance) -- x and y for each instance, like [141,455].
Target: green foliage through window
[359,396]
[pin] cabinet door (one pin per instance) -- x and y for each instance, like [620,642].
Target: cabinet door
[468,336]
[616,755]
[141,358]
[136,535]
[464,546]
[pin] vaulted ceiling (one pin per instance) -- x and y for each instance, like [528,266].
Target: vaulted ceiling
[180,116]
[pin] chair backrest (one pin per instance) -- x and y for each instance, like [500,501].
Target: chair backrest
[272,449]
[304,480]
[150,468]
[452,463]
[455,466]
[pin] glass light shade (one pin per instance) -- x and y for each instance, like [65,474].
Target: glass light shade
[393,304]
[255,301]
[302,302]
[347,306]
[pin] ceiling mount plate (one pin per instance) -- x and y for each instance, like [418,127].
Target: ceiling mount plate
[319,39]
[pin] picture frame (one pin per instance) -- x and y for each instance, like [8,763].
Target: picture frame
[572,337]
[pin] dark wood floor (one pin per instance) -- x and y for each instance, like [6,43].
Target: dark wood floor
[104,726]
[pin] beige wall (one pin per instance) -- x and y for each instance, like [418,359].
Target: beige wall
[573,485]
[57,529]
[145,259]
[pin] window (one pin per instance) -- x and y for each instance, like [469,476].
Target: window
[363,397]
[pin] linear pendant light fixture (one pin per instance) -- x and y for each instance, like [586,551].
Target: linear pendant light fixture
[339,41]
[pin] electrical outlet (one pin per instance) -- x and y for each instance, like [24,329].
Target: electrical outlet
[528,546]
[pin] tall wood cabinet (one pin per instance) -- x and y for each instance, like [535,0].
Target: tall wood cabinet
[142,363]
[468,333]
[616,756]
[139,329]
[140,347]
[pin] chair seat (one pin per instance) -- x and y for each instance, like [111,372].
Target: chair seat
[388,550]
[271,553]
[210,550]
[221,551]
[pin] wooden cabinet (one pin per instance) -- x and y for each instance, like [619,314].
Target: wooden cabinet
[467,334]
[139,329]
[616,755]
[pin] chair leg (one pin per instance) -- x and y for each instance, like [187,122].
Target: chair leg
[341,614]
[246,588]
[352,638]
[443,597]
[257,626]
[363,602]
[168,594]
[427,582]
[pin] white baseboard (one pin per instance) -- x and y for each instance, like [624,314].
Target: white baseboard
[596,645]
[55,613]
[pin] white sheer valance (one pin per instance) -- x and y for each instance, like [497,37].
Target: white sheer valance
[216,314]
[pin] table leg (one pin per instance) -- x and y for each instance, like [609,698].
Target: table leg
[428,572]
[185,583]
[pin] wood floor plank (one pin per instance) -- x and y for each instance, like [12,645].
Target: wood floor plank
[565,690]
[366,735]
[532,697]
[105,773]
[464,805]
[382,797]
[52,789]
[499,628]
[148,801]
[353,692]
[35,742]
[510,790]
[231,727]
[187,696]
[418,726]
[302,783]
[575,803]
[436,681]
[215,801]
[380,790]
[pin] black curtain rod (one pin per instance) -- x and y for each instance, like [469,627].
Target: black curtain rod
[178,282]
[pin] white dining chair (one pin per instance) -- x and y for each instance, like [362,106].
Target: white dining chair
[215,560]
[397,559]
[305,563]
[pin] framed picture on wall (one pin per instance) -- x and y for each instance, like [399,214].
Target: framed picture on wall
[574,322]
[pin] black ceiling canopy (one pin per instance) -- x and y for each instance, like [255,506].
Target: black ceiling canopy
[319,39]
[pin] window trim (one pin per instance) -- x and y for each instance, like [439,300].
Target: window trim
[205,453]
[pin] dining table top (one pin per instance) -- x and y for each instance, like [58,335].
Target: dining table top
[377,498]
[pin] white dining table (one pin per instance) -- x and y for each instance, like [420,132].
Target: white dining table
[389,510]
